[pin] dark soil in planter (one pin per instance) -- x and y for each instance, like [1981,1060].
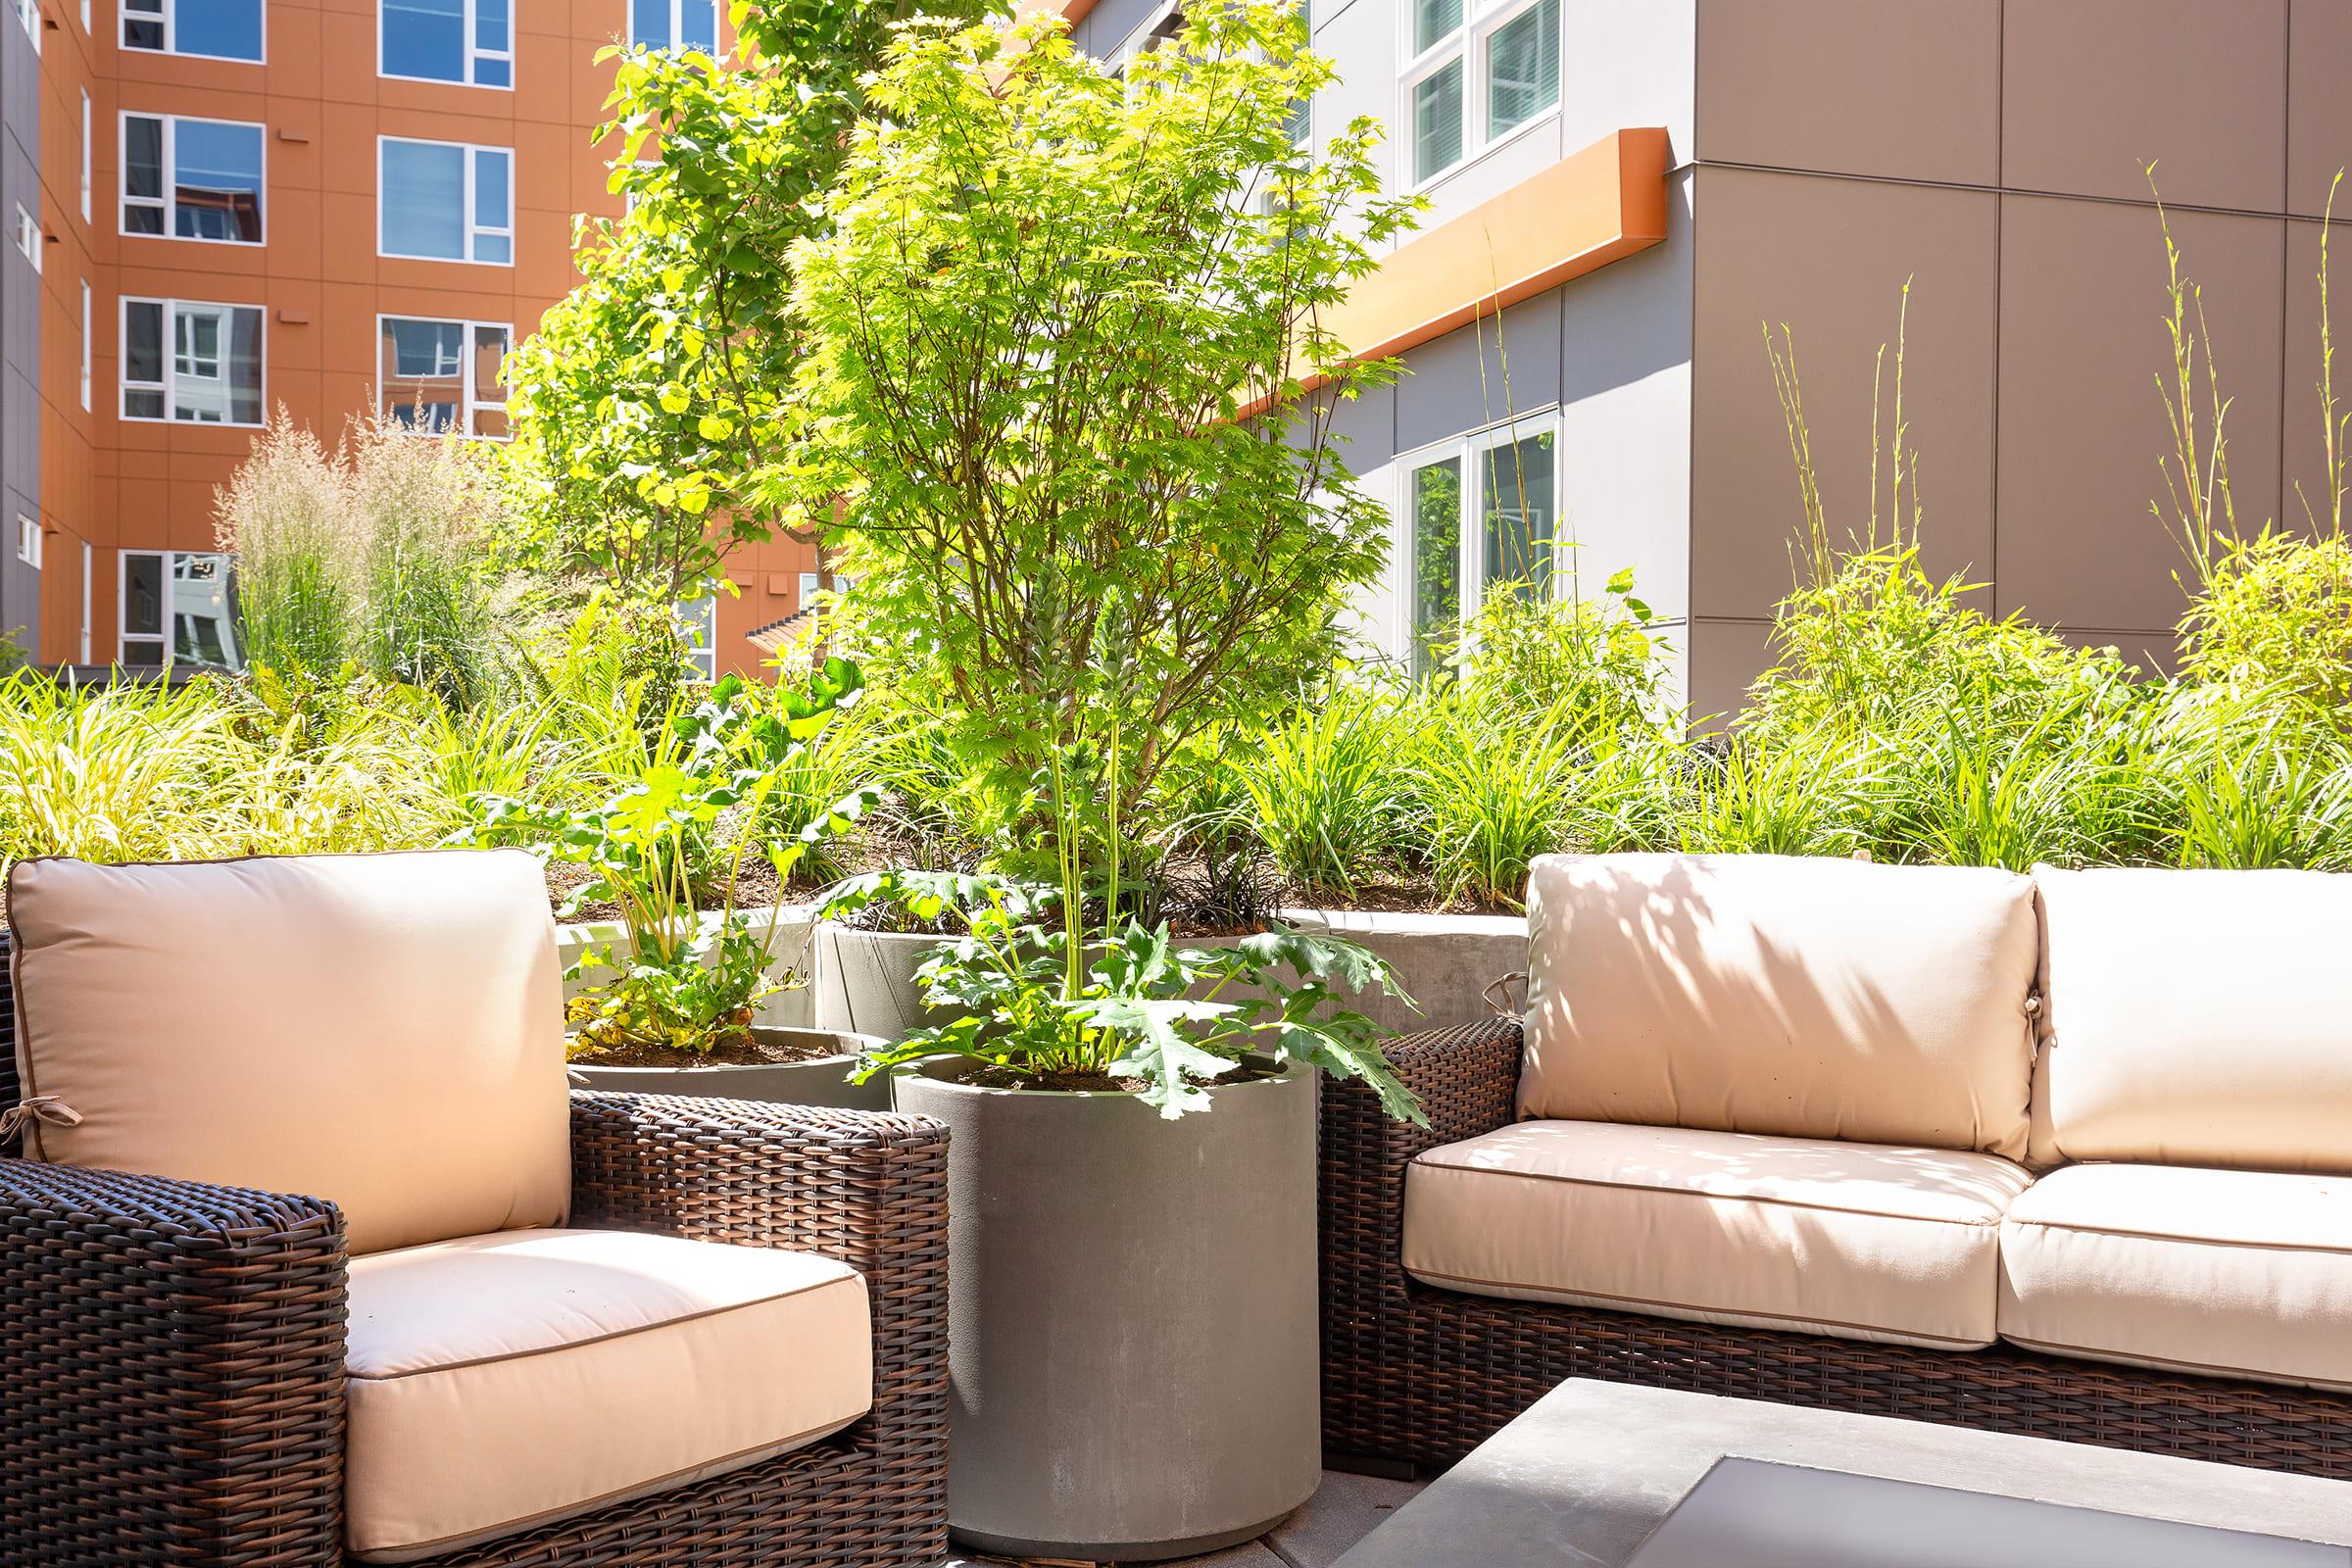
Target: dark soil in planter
[996,1075]
[728,1053]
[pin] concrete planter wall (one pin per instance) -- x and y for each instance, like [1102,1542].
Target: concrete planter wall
[818,1081]
[793,955]
[866,979]
[1132,1318]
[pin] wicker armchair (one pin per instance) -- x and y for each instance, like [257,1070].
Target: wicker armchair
[1418,1376]
[173,1352]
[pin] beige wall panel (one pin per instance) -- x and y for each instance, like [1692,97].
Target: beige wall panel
[2303,480]
[1908,91]
[2319,110]
[1829,258]
[1725,656]
[2082,422]
[2094,89]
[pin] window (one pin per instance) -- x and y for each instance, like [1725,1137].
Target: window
[86,600]
[85,345]
[85,28]
[674,25]
[28,542]
[446,201]
[217,30]
[192,178]
[193,363]
[29,15]
[85,154]
[465,41]
[439,376]
[1479,70]
[698,635]
[28,236]
[1503,477]
[178,604]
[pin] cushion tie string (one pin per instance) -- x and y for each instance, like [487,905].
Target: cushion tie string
[18,1120]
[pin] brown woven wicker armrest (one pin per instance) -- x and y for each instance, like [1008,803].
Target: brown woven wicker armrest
[171,1372]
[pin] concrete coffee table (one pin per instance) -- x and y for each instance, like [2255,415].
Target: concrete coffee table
[1605,1475]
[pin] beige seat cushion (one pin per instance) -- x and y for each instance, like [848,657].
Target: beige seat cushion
[498,1381]
[385,1031]
[2197,1018]
[1801,998]
[1856,1240]
[2231,1273]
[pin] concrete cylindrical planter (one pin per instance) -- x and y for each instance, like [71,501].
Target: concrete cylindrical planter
[1132,1317]
[813,1081]
[866,981]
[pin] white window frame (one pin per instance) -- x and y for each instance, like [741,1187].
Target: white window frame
[473,52]
[475,231]
[86,133]
[1470,563]
[170,354]
[86,20]
[470,403]
[86,567]
[165,640]
[29,15]
[677,13]
[1481,20]
[698,633]
[28,236]
[170,16]
[28,541]
[85,345]
[166,203]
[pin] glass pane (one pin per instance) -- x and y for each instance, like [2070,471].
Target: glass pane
[423,200]
[230,29]
[143,404]
[698,25]
[1434,19]
[142,655]
[496,248]
[1520,514]
[216,185]
[492,74]
[1436,558]
[143,23]
[426,38]
[142,219]
[490,25]
[489,364]
[142,156]
[491,422]
[649,23]
[1523,68]
[143,342]
[1438,121]
[244,356]
[142,593]
[202,612]
[491,207]
[420,372]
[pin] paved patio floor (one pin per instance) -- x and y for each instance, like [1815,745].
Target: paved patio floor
[1344,1510]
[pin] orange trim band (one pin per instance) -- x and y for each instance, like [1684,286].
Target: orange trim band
[1591,208]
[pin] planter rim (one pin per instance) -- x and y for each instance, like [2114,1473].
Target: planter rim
[943,1070]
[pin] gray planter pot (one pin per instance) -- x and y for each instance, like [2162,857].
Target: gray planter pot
[817,1081]
[1132,1318]
[866,981]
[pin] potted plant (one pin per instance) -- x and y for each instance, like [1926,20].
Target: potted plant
[1054,412]
[677,1013]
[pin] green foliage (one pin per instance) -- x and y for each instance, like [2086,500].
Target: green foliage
[1598,660]
[2277,611]
[652,408]
[1330,790]
[372,556]
[1052,293]
[1058,1012]
[688,818]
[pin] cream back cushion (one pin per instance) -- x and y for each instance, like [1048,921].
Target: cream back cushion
[1802,997]
[2197,1018]
[385,1031]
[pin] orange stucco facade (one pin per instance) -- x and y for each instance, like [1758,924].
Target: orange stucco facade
[114,484]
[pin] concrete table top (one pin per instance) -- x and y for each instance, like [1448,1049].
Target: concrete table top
[1592,1468]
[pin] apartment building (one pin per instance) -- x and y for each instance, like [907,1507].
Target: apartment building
[217,208]
[1624,194]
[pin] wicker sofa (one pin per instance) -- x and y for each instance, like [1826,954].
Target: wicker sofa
[2067,1156]
[183,1356]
